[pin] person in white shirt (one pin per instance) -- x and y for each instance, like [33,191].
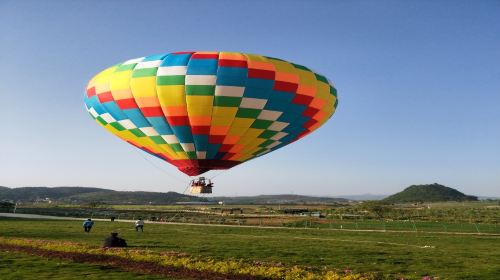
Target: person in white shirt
[139,224]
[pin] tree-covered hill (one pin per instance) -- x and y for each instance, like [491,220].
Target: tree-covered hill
[86,195]
[33,193]
[137,197]
[81,195]
[428,193]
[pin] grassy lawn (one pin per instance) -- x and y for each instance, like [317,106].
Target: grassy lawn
[422,226]
[16,265]
[408,254]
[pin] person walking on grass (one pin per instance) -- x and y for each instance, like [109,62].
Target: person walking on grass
[139,224]
[87,225]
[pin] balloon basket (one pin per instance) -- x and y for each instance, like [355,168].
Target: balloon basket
[201,186]
[200,189]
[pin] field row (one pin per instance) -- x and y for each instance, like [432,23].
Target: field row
[296,221]
[171,264]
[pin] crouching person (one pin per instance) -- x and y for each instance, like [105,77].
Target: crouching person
[114,241]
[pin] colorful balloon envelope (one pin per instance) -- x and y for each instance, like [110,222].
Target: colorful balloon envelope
[209,110]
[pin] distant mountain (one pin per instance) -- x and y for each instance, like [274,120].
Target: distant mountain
[278,199]
[488,198]
[86,195]
[33,193]
[428,193]
[367,196]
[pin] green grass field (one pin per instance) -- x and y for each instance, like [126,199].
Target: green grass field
[420,226]
[412,255]
[466,217]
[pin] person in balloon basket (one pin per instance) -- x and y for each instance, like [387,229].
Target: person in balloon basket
[139,224]
[114,241]
[87,225]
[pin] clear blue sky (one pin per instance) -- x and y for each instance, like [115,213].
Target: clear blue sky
[418,85]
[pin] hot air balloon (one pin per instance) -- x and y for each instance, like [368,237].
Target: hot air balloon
[203,111]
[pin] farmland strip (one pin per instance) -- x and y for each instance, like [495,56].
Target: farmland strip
[127,264]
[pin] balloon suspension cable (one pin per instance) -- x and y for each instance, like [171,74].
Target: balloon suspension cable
[223,171]
[157,167]
[187,187]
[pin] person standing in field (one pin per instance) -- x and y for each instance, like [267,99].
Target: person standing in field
[139,224]
[87,225]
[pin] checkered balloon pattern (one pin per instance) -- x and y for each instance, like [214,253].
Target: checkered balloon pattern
[209,110]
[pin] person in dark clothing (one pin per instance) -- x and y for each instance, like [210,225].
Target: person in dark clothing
[87,225]
[114,241]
